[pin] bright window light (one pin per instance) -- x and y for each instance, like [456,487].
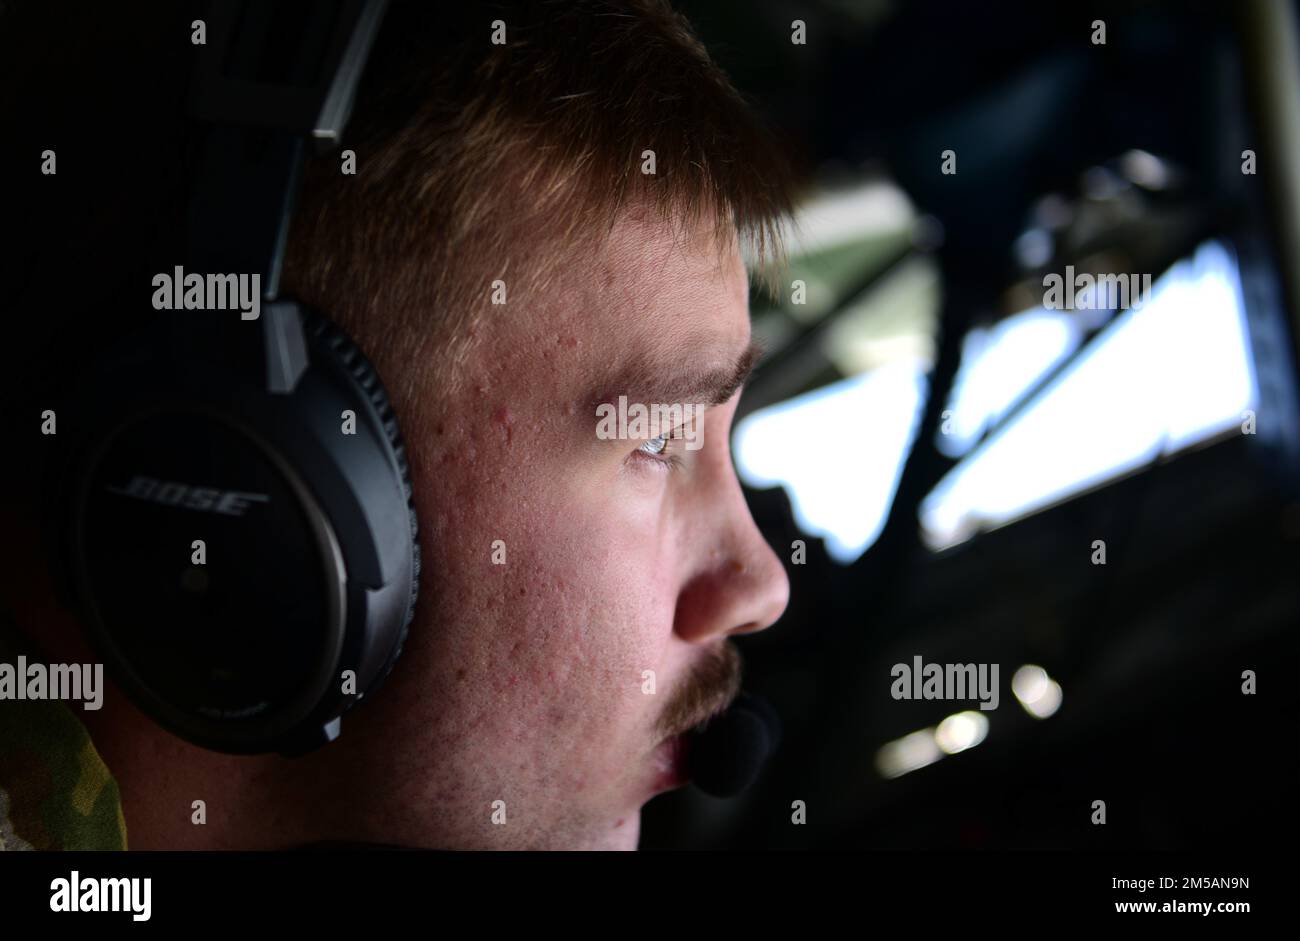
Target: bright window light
[998,365]
[838,451]
[1175,371]
[1168,374]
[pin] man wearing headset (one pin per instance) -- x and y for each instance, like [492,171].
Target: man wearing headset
[548,214]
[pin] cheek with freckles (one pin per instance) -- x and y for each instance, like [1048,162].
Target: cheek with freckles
[583,611]
[559,637]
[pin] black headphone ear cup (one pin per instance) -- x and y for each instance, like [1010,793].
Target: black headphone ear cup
[330,340]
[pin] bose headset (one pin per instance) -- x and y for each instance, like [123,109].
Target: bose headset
[233,516]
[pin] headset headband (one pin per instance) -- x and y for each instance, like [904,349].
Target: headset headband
[272,78]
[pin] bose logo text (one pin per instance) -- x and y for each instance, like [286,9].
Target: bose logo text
[171,493]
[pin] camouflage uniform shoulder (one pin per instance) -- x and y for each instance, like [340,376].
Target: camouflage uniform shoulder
[56,793]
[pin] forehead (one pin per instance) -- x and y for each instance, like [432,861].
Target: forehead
[655,266]
[645,302]
[656,293]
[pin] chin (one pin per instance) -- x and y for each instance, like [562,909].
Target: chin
[624,832]
[628,835]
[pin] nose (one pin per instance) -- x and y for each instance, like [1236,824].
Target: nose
[738,584]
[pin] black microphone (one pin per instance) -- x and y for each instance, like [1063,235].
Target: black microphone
[727,753]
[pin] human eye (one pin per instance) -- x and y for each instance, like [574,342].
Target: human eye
[660,450]
[656,446]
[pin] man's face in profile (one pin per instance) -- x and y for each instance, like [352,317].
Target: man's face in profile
[567,575]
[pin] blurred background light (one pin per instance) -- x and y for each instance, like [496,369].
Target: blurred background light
[1038,693]
[961,731]
[954,734]
[907,754]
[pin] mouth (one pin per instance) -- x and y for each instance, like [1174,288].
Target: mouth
[672,756]
[710,690]
[671,759]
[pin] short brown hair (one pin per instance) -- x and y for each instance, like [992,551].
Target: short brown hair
[477,161]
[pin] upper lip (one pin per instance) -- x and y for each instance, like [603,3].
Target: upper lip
[716,694]
[718,709]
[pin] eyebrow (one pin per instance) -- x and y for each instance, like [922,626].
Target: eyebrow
[675,383]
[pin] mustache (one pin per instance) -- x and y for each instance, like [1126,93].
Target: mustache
[709,688]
